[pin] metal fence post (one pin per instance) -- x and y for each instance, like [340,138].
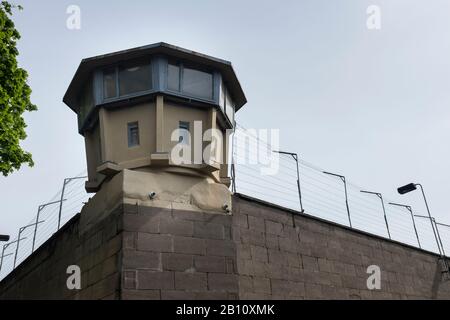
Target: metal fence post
[346,195]
[295,157]
[439,236]
[384,209]
[412,218]
[66,181]
[40,208]
[18,243]
[61,202]
[3,251]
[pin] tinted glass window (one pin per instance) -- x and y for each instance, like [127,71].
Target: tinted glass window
[134,78]
[173,77]
[109,83]
[197,83]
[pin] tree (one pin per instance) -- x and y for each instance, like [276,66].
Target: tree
[14,96]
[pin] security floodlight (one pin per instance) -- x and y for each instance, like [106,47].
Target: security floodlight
[4,237]
[411,187]
[407,188]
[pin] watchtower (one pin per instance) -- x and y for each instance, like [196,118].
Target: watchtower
[141,110]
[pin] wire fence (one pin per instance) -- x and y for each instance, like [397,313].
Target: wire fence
[49,217]
[254,174]
[324,195]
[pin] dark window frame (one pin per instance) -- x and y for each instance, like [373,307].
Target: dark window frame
[116,68]
[130,127]
[181,66]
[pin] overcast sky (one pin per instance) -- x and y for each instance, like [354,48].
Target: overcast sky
[370,104]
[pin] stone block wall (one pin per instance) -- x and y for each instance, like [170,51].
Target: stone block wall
[283,255]
[260,251]
[97,252]
[176,254]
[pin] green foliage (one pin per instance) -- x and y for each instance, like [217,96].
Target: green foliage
[14,96]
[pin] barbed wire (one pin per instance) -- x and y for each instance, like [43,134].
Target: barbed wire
[74,197]
[322,195]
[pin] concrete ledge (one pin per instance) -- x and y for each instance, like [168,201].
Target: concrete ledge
[109,168]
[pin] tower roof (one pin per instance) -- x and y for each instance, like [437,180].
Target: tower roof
[87,65]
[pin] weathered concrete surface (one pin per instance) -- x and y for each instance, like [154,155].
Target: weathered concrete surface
[97,252]
[176,254]
[258,252]
[321,260]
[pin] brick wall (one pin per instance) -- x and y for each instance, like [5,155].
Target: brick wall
[286,256]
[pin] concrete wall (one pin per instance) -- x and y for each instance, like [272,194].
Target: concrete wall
[316,259]
[108,140]
[258,252]
[93,153]
[97,252]
[115,132]
[176,254]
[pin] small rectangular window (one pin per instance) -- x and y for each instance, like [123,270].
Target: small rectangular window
[109,83]
[173,77]
[133,134]
[184,132]
[134,78]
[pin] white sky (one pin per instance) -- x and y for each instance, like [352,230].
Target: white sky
[372,105]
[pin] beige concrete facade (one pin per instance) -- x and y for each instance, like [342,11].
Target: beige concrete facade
[132,137]
[116,169]
[107,142]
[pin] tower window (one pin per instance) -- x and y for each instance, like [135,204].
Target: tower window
[126,79]
[173,77]
[134,78]
[109,83]
[197,83]
[189,80]
[184,132]
[133,134]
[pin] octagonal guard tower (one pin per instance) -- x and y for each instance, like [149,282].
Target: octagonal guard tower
[138,109]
